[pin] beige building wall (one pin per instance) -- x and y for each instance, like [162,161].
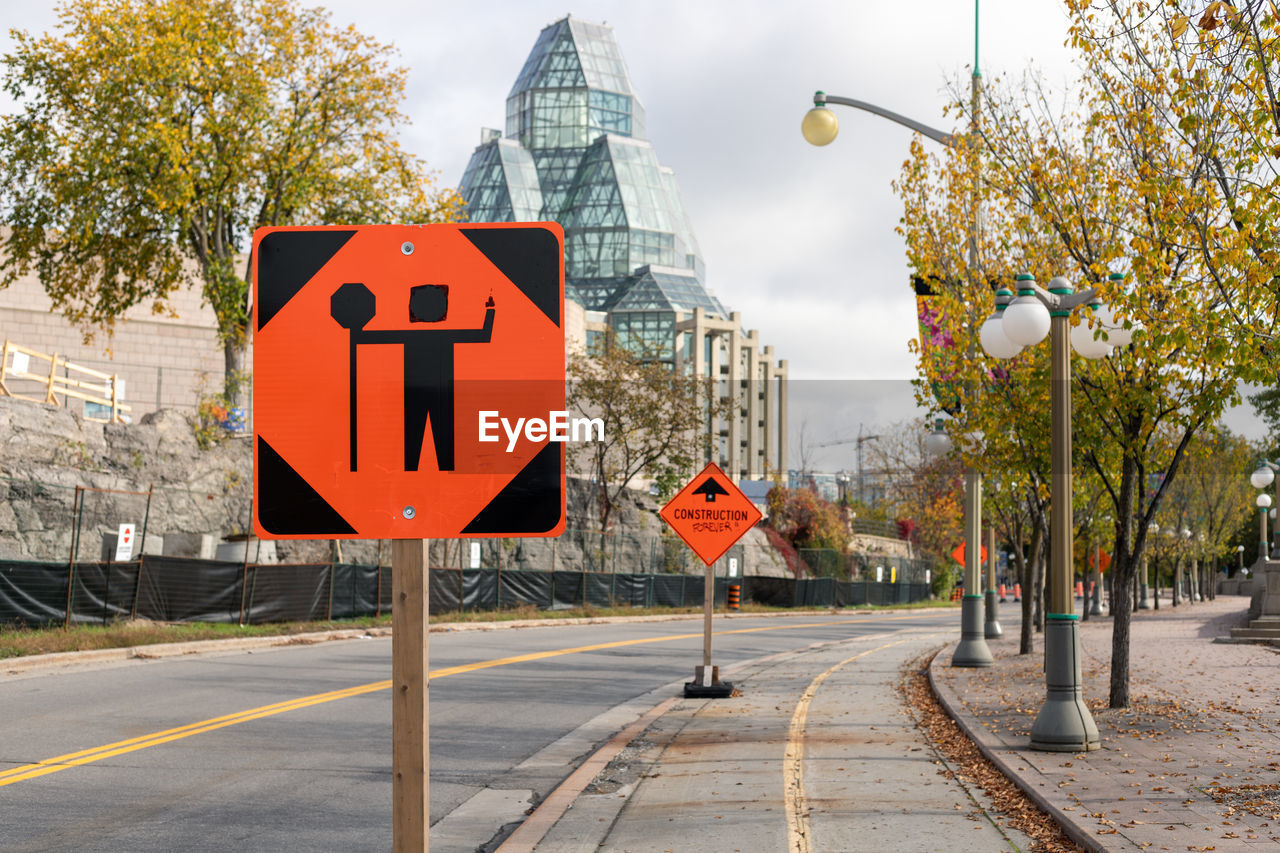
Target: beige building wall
[165,360]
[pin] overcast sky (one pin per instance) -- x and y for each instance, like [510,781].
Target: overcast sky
[799,239]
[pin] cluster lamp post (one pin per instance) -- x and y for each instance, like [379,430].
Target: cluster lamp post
[1263,501]
[1264,476]
[1064,723]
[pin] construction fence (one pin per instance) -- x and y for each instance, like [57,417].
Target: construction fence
[828,563]
[175,589]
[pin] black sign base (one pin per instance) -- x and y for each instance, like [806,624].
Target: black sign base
[723,690]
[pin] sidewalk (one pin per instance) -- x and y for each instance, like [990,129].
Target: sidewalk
[818,754]
[1194,764]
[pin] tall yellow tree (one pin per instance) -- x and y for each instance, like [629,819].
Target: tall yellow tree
[1067,193]
[1204,78]
[154,136]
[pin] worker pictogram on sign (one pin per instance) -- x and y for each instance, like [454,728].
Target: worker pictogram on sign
[710,513]
[378,353]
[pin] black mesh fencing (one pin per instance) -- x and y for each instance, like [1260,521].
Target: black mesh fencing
[179,589]
[33,594]
[355,591]
[103,592]
[175,589]
[283,593]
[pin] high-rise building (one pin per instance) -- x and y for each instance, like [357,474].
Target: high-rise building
[574,152]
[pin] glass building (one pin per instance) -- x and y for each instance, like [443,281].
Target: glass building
[574,152]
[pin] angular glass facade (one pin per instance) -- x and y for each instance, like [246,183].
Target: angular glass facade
[643,318]
[574,153]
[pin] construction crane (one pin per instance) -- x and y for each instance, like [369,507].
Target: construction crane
[859,439]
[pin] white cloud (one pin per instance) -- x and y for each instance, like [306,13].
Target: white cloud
[800,240]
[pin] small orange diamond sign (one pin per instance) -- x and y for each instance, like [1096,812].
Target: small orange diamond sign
[958,553]
[710,514]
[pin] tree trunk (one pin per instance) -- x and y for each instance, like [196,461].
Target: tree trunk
[1037,584]
[1026,576]
[1122,610]
[1121,574]
[234,374]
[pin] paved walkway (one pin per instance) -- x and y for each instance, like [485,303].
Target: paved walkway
[819,754]
[1193,764]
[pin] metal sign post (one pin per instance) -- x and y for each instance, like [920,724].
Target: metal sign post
[710,514]
[707,675]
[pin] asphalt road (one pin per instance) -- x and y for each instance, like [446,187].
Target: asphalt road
[308,770]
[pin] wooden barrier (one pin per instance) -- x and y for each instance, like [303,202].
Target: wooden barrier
[62,378]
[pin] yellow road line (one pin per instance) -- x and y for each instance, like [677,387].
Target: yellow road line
[98,753]
[799,838]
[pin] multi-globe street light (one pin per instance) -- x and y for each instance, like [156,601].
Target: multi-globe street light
[1262,502]
[1064,723]
[1262,477]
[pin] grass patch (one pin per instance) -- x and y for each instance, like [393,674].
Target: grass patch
[19,642]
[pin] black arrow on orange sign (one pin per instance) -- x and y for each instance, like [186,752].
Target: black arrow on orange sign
[710,488]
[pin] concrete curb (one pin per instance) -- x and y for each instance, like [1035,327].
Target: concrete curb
[994,752]
[56,660]
[663,617]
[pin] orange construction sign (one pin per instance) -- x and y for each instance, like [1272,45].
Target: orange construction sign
[1106,561]
[409,381]
[958,553]
[710,513]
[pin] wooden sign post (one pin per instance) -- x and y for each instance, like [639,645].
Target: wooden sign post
[410,732]
[354,356]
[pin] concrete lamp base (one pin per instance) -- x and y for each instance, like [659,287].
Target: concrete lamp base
[991,629]
[1064,723]
[972,650]
[1143,602]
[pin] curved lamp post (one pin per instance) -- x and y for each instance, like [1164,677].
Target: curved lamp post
[820,127]
[1261,478]
[1064,723]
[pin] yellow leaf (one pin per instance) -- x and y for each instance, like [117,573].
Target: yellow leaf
[1178,25]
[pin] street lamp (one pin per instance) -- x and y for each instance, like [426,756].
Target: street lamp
[820,127]
[1064,723]
[1240,560]
[1263,501]
[1143,602]
[1261,478]
[1095,608]
[1179,591]
[937,443]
